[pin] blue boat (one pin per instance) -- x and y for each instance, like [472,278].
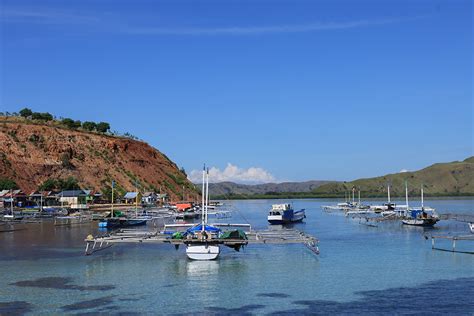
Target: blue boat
[284,214]
[118,222]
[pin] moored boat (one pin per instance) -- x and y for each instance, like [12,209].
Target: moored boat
[424,216]
[284,214]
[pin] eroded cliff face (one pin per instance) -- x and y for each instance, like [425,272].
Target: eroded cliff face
[31,154]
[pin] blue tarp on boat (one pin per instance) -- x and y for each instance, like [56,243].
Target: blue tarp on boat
[207,228]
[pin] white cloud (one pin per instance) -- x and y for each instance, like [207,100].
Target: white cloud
[249,30]
[234,174]
[403,170]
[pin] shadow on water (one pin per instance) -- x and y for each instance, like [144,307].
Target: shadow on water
[89,304]
[216,311]
[15,308]
[61,284]
[273,295]
[437,297]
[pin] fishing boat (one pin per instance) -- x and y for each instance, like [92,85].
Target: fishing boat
[121,220]
[423,216]
[203,248]
[284,214]
[116,222]
[471,227]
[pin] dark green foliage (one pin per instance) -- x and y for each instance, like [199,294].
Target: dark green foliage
[89,126]
[49,185]
[26,112]
[183,171]
[103,127]
[69,183]
[6,184]
[70,123]
[41,116]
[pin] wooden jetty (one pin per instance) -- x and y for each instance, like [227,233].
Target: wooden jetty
[453,239]
[283,236]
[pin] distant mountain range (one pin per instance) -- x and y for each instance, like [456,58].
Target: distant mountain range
[441,179]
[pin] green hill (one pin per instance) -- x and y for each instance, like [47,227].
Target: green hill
[441,179]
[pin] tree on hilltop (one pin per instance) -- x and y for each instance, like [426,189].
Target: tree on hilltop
[26,112]
[89,126]
[103,127]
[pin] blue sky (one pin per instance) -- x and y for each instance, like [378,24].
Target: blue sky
[280,90]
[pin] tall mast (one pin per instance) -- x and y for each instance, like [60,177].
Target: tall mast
[406,193]
[388,193]
[112,213]
[136,198]
[11,200]
[207,193]
[353,192]
[41,201]
[203,193]
[359,197]
[422,206]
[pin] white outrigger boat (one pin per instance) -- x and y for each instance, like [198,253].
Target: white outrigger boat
[424,216]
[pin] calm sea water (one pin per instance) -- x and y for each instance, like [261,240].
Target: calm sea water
[361,269]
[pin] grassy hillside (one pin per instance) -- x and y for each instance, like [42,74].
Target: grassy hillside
[441,179]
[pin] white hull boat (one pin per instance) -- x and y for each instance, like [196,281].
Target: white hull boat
[202,252]
[471,227]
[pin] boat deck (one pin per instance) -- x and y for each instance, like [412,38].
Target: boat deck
[285,236]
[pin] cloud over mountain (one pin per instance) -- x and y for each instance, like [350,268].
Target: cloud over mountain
[234,174]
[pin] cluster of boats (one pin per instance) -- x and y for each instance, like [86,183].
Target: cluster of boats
[414,216]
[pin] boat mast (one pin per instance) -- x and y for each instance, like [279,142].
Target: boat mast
[11,200]
[207,193]
[41,201]
[112,213]
[388,193]
[406,193]
[353,192]
[422,206]
[359,196]
[136,198]
[203,195]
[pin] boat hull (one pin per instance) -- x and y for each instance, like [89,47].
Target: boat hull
[296,216]
[429,222]
[202,252]
[114,223]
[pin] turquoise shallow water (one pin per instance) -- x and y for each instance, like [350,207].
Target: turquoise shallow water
[361,269]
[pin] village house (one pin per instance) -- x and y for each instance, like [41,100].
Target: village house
[17,197]
[47,198]
[73,198]
[131,197]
